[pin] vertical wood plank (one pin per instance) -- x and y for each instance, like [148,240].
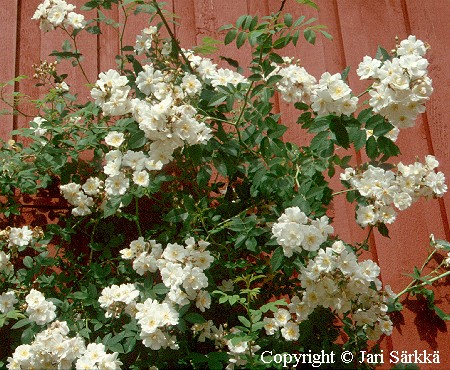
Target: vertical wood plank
[8,39]
[258,7]
[87,46]
[28,52]
[430,19]
[364,25]
[186,31]
[135,24]
[360,27]
[225,12]
[108,43]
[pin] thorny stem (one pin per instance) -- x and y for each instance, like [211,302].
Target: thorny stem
[172,36]
[121,35]
[13,105]
[428,259]
[413,284]
[247,95]
[365,91]
[366,240]
[91,254]
[342,192]
[297,172]
[74,39]
[137,217]
[409,288]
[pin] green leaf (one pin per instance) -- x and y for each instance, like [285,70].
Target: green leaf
[299,21]
[137,67]
[310,36]
[382,54]
[326,34]
[340,132]
[230,36]
[277,259]
[80,295]
[322,144]
[273,79]
[92,291]
[28,262]
[444,244]
[90,5]
[272,306]
[351,196]
[372,120]
[394,305]
[111,207]
[194,318]
[117,347]
[137,140]
[15,314]
[295,37]
[274,57]
[382,228]
[244,321]
[116,339]
[371,148]
[281,42]
[251,244]
[255,77]
[357,136]
[226,27]
[232,62]
[240,40]
[207,46]
[247,23]
[253,36]
[277,132]
[217,100]
[129,345]
[364,115]
[344,73]
[320,124]
[441,314]
[21,323]
[310,3]
[387,146]
[65,54]
[241,20]
[95,30]
[160,289]
[382,128]
[216,360]
[288,19]
[197,358]
[203,176]
[28,335]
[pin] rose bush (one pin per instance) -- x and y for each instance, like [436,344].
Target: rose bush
[195,236]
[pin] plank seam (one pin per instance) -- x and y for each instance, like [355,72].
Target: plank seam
[98,48]
[17,58]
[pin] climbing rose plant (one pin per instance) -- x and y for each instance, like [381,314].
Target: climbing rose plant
[194,236]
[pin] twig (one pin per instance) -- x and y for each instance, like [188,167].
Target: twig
[172,36]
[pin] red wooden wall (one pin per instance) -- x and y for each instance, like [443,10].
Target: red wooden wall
[358,27]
